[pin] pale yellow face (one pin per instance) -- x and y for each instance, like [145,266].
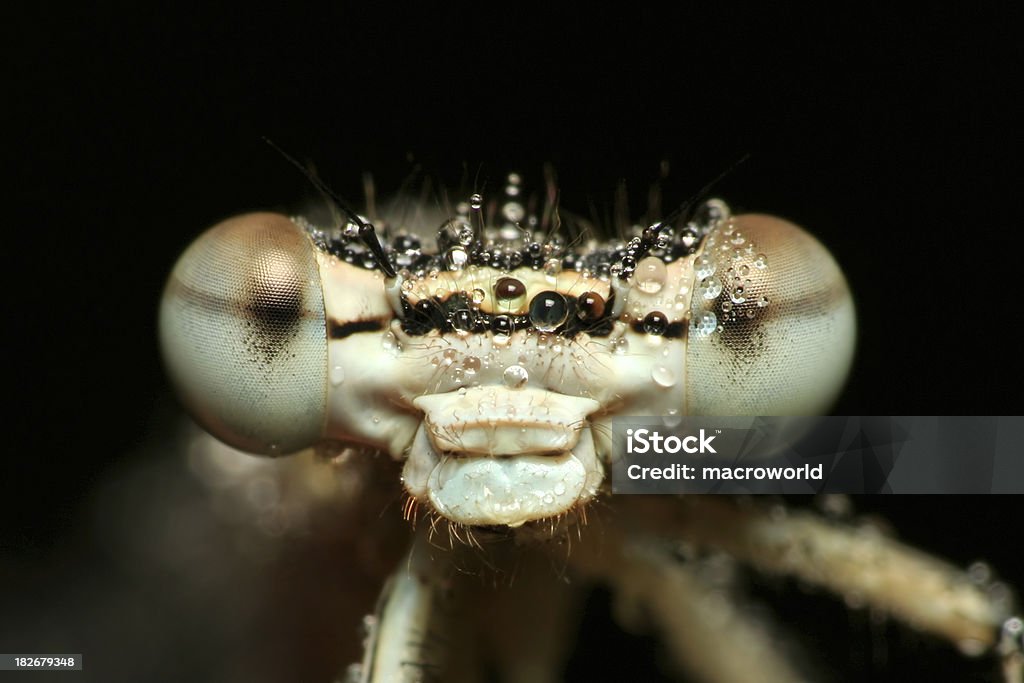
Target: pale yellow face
[494,373]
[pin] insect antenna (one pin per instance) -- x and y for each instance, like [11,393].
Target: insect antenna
[654,196]
[549,214]
[620,209]
[367,233]
[370,193]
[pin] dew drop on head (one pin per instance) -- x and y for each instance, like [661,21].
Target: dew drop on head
[650,275]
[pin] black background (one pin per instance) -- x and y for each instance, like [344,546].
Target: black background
[892,135]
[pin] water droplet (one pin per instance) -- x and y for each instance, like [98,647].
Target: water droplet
[559,489]
[457,258]
[548,310]
[476,201]
[663,376]
[478,296]
[979,573]
[711,212]
[620,345]
[744,270]
[650,274]
[502,326]
[337,375]
[513,211]
[466,235]
[462,320]
[351,230]
[590,306]
[672,418]
[552,268]
[376,419]
[471,364]
[354,672]
[704,325]
[710,287]
[389,342]
[761,261]
[738,295]
[510,293]
[515,376]
[704,267]
[655,323]
[369,624]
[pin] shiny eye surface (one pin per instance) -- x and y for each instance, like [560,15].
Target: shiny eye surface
[243,334]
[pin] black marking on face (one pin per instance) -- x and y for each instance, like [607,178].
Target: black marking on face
[456,313]
[340,330]
[655,323]
[676,330]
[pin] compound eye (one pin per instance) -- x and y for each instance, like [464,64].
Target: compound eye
[243,334]
[772,325]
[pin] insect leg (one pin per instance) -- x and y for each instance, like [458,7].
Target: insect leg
[705,631]
[529,623]
[919,589]
[407,638]
[1011,649]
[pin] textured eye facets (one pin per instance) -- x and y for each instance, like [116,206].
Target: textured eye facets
[548,310]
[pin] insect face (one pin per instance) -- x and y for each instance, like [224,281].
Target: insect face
[494,362]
